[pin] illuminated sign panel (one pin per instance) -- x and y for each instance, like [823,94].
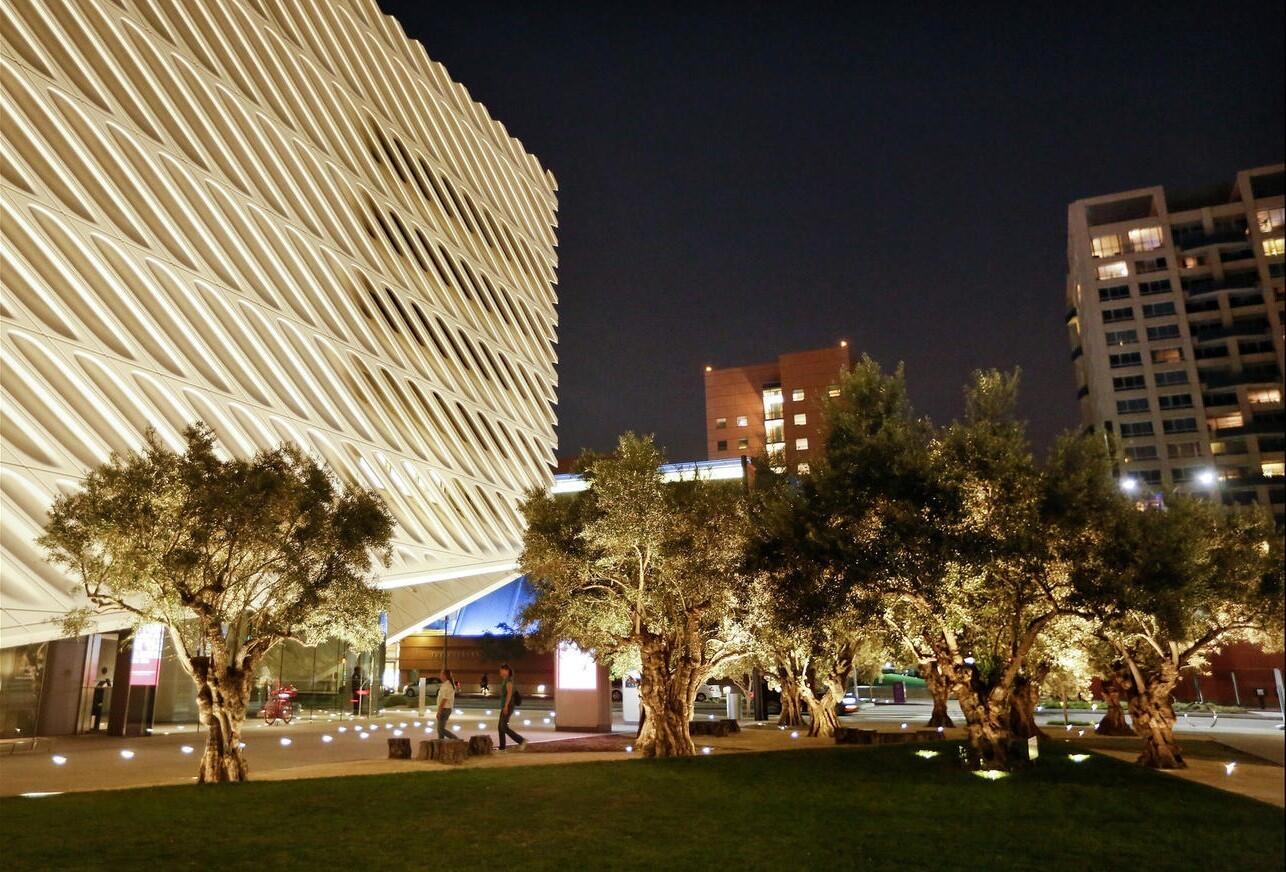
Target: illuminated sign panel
[145,663]
[576,668]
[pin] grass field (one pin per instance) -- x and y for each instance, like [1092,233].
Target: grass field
[840,808]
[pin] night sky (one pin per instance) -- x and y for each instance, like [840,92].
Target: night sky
[746,179]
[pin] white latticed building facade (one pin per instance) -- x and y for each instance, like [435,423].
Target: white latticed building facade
[282,218]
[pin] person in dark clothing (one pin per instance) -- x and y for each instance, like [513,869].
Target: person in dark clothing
[100,695]
[356,684]
[485,685]
[507,708]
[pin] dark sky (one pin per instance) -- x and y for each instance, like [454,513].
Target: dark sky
[747,179]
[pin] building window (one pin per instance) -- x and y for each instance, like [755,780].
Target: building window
[1276,468]
[1180,425]
[1274,246]
[1269,219]
[1122,337]
[1150,265]
[1116,270]
[743,421]
[832,391]
[743,444]
[1111,315]
[1106,246]
[720,423]
[1157,310]
[1145,238]
[1130,429]
[1132,407]
[1141,452]
[1174,377]
[721,445]
[1113,292]
[797,395]
[801,444]
[1160,286]
[1163,331]
[803,469]
[1180,450]
[1169,402]
[772,403]
[1261,396]
[801,419]
[1225,422]
[1128,383]
[1167,355]
[1128,358]
[1230,446]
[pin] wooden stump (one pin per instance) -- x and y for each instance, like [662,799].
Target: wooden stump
[444,750]
[854,736]
[425,751]
[399,749]
[481,746]
[721,727]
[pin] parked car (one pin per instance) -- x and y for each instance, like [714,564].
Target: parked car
[709,691]
[847,704]
[431,686]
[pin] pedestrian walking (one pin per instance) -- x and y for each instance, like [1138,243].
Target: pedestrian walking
[485,685]
[100,694]
[446,702]
[509,698]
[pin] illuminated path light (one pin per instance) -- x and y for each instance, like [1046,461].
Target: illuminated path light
[58,759]
[927,755]
[991,774]
[187,749]
[127,754]
[285,742]
[327,738]
[1078,758]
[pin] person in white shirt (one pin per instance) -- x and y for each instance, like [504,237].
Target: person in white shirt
[446,702]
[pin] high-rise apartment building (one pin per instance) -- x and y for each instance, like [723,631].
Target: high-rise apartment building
[281,218]
[772,407]
[1174,313]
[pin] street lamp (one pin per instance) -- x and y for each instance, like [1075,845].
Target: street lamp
[1207,478]
[1129,484]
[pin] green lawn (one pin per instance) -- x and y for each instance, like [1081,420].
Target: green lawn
[841,808]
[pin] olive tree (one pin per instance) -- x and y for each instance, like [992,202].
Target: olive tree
[635,564]
[232,555]
[1170,586]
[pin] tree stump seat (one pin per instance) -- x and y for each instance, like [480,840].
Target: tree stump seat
[399,749]
[481,746]
[854,736]
[450,751]
[719,727]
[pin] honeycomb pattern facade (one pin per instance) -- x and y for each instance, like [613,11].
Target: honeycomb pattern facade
[282,218]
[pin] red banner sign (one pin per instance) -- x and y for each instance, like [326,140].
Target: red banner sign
[145,663]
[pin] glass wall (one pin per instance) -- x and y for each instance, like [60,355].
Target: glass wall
[22,673]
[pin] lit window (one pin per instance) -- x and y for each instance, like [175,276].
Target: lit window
[743,421]
[1106,246]
[832,391]
[774,431]
[1167,355]
[1269,219]
[1145,238]
[1276,469]
[1259,396]
[721,445]
[720,423]
[801,444]
[797,394]
[1274,247]
[802,469]
[800,419]
[772,403]
[743,444]
[1192,261]
[1116,270]
[1225,422]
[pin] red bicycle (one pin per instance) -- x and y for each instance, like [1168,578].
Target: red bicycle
[280,705]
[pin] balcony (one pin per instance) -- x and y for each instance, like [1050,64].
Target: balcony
[1220,237]
[1212,333]
[1223,378]
[1195,289]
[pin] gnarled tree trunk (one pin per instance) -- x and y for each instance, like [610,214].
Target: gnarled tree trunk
[667,692]
[222,697]
[940,689]
[1113,722]
[1152,713]
[792,711]
[985,719]
[1023,699]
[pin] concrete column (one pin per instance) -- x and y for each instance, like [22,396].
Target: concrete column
[63,687]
